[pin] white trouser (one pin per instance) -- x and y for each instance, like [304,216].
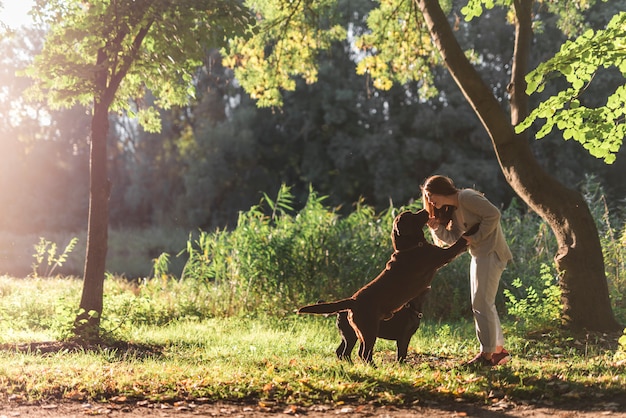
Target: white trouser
[485,273]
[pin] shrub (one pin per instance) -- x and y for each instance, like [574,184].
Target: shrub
[274,260]
[540,306]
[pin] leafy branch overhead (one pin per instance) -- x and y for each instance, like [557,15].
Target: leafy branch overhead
[289,36]
[139,46]
[599,129]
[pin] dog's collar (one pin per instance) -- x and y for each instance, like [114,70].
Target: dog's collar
[413,309]
[412,247]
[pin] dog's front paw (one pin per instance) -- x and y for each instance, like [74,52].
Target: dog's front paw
[472,230]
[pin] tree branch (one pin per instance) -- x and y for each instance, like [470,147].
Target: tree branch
[523,37]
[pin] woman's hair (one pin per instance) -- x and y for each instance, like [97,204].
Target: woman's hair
[440,185]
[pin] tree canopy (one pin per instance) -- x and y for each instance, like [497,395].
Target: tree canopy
[397,48]
[145,46]
[109,54]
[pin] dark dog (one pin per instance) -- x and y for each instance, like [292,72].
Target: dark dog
[400,328]
[407,274]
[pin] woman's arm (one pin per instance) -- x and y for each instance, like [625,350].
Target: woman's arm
[488,214]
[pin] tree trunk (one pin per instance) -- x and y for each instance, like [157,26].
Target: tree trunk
[107,80]
[87,323]
[579,259]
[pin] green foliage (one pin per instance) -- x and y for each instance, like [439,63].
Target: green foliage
[281,260]
[620,354]
[143,46]
[474,8]
[42,307]
[284,44]
[161,265]
[599,129]
[46,251]
[540,306]
[397,48]
[570,14]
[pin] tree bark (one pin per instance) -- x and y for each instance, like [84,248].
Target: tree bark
[87,322]
[579,259]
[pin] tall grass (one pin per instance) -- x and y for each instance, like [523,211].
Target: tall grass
[275,260]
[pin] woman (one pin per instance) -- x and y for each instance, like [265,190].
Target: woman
[452,212]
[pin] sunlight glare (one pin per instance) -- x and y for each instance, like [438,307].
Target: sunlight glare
[14,13]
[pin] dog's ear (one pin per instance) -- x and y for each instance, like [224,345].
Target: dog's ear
[395,230]
[396,222]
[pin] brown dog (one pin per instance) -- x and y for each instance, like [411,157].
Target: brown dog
[407,274]
[400,328]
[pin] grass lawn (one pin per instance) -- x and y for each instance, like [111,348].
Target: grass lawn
[292,361]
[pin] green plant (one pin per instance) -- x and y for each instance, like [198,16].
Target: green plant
[46,251]
[279,260]
[535,306]
[160,266]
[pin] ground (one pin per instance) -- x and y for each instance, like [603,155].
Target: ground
[189,410]
[118,408]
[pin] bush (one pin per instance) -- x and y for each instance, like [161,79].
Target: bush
[278,261]
[275,260]
[540,307]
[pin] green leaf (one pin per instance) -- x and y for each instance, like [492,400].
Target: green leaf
[140,45]
[600,130]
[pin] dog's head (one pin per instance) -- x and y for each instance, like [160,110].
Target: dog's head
[408,230]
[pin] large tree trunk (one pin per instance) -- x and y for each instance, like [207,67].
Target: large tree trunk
[579,260]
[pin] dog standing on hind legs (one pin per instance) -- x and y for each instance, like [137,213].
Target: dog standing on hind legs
[407,274]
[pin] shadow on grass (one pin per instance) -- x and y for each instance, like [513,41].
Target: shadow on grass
[524,384]
[119,349]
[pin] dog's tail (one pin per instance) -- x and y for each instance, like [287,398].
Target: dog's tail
[328,307]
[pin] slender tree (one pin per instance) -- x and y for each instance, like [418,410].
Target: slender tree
[106,54]
[408,37]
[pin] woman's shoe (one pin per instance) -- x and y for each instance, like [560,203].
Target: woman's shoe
[498,359]
[479,361]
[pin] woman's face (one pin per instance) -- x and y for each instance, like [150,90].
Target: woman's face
[435,199]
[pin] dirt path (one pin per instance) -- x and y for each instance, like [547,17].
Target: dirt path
[189,410]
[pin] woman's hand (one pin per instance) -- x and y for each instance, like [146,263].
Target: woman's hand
[433,222]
